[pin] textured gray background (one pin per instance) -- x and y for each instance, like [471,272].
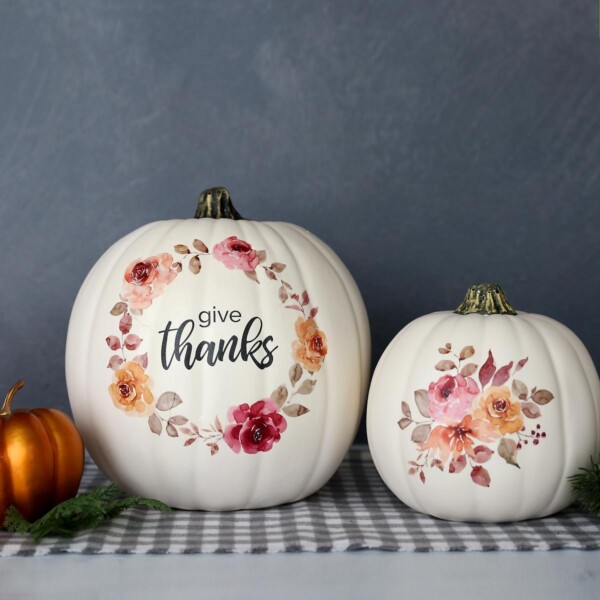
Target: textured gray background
[431,144]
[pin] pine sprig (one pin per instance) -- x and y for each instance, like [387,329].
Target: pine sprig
[586,487]
[82,512]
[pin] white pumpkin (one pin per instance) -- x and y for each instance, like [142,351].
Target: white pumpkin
[482,414]
[216,363]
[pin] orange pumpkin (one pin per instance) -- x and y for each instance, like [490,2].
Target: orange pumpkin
[41,458]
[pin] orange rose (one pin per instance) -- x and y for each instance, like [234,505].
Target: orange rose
[498,408]
[311,346]
[130,391]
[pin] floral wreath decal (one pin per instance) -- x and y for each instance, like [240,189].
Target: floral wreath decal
[463,419]
[250,427]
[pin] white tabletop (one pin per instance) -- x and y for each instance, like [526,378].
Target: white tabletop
[362,575]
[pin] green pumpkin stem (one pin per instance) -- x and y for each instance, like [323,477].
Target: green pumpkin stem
[485,299]
[9,397]
[215,203]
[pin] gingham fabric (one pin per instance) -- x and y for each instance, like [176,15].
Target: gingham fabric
[354,511]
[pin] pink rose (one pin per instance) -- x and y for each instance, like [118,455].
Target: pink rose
[146,279]
[450,398]
[254,428]
[236,254]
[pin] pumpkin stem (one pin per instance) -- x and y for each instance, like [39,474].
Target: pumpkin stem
[9,397]
[215,203]
[485,299]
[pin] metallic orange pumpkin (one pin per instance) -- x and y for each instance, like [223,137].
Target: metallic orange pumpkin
[41,458]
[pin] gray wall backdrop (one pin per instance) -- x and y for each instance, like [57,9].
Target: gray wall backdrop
[432,144]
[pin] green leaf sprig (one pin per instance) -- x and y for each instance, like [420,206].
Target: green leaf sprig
[82,512]
[586,487]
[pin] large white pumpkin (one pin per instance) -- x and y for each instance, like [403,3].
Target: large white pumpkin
[217,363]
[482,414]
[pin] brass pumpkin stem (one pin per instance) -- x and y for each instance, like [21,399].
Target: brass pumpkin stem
[485,299]
[9,397]
[215,203]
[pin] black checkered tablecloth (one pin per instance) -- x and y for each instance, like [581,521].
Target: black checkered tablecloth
[354,511]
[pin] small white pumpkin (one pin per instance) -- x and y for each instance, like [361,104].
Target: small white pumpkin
[217,363]
[481,414]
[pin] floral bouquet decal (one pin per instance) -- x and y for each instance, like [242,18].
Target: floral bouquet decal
[466,422]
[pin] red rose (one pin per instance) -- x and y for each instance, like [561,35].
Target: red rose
[254,428]
[236,254]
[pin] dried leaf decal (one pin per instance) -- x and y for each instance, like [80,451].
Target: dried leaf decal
[420,433]
[167,401]
[313,312]
[448,345]
[482,454]
[295,373]
[502,374]
[445,365]
[521,364]
[262,256]
[519,389]
[480,476]
[406,409]
[132,341]
[118,309]
[195,265]
[155,424]
[295,410]
[436,462]
[251,275]
[182,249]
[278,267]
[468,369]
[279,396]
[283,295]
[115,362]
[190,441]
[125,323]
[443,351]
[113,342]
[171,431]
[530,410]
[422,476]
[487,370]
[287,285]
[141,359]
[200,246]
[308,385]
[422,402]
[507,449]
[466,352]
[458,464]
[271,275]
[176,266]
[305,298]
[542,397]
[403,423]
[178,420]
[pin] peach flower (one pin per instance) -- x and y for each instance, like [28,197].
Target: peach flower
[130,390]
[145,279]
[236,254]
[498,408]
[459,439]
[310,348]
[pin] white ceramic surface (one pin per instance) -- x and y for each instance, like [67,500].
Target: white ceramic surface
[507,473]
[212,456]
